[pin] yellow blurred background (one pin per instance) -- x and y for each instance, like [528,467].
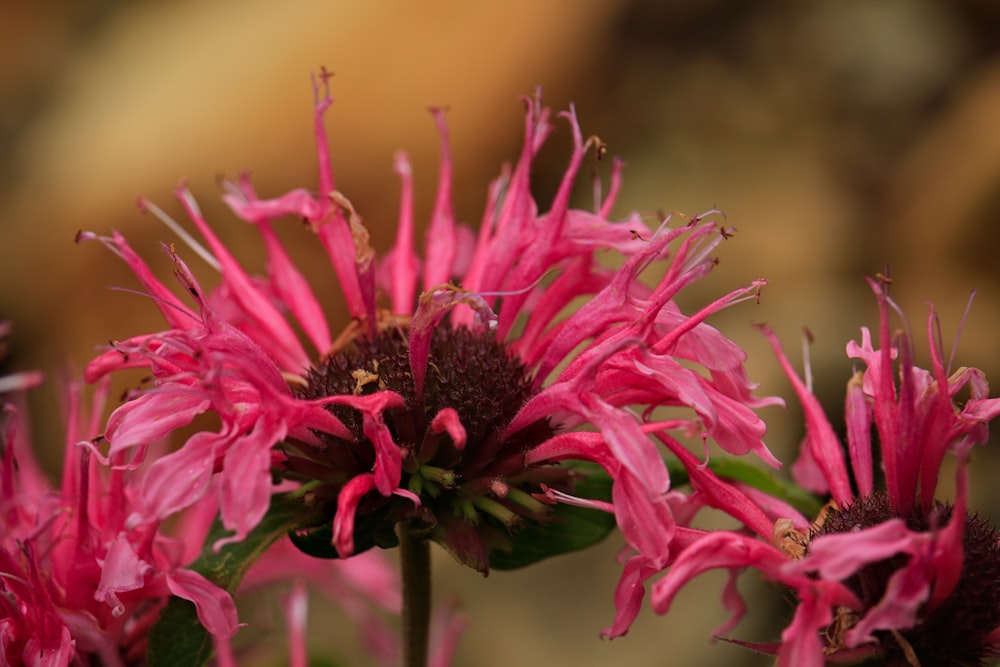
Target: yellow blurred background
[839,139]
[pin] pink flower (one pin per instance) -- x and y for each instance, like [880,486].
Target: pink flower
[461,378]
[76,584]
[889,572]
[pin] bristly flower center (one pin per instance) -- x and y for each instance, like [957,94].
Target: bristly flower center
[953,634]
[469,372]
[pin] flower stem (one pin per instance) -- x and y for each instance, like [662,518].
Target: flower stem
[415,558]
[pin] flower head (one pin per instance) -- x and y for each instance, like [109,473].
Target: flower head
[887,571]
[462,377]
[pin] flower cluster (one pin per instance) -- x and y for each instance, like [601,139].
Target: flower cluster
[461,380]
[76,580]
[886,571]
[466,401]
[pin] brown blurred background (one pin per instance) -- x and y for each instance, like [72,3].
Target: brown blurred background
[838,139]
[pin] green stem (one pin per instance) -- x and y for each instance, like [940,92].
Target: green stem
[415,557]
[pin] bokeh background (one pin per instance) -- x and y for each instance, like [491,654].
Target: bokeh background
[839,138]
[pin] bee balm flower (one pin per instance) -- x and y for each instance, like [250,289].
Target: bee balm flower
[887,572]
[460,379]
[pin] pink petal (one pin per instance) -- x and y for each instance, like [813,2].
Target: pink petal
[246,479]
[447,421]
[627,442]
[294,290]
[629,594]
[536,258]
[836,556]
[35,655]
[179,479]
[858,417]
[215,607]
[719,494]
[948,550]
[714,550]
[801,645]
[898,609]
[648,524]
[152,417]
[440,250]
[398,271]
[123,570]
[283,342]
[734,602]
[822,442]
[347,506]
[516,214]
[388,455]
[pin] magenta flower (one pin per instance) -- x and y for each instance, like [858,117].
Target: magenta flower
[460,379]
[890,572]
[78,586]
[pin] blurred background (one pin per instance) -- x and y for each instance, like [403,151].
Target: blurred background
[839,139]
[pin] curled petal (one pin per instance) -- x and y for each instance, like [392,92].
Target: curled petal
[648,525]
[839,555]
[432,307]
[388,455]
[629,594]
[215,607]
[152,417]
[245,480]
[801,642]
[447,421]
[347,506]
[714,550]
[123,570]
[179,479]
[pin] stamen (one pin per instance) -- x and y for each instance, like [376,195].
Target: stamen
[489,506]
[958,333]
[525,500]
[181,233]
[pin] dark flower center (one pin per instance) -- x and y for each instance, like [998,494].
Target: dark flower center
[955,633]
[485,485]
[468,371]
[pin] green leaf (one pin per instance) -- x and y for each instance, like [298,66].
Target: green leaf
[566,529]
[178,638]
